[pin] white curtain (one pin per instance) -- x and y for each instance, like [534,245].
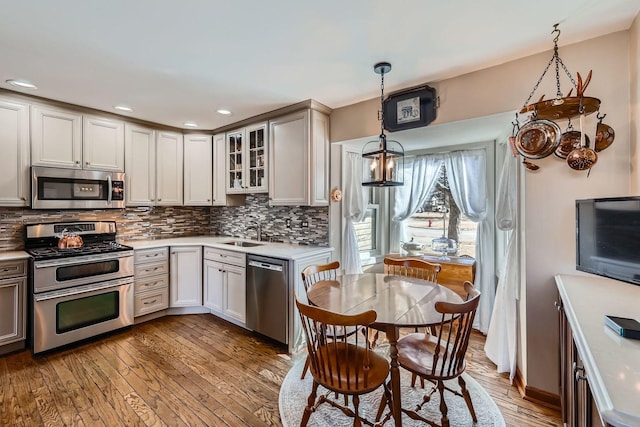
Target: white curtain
[467,175]
[502,338]
[354,204]
[420,177]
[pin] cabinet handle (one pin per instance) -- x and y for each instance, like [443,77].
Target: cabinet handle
[578,372]
[23,198]
[150,302]
[559,306]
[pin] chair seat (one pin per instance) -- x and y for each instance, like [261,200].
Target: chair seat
[350,358]
[415,353]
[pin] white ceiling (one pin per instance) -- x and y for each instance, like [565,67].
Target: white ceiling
[177,61]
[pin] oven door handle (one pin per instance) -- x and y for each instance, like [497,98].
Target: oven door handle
[82,259]
[79,290]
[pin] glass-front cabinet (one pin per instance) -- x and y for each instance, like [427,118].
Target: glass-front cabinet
[247,160]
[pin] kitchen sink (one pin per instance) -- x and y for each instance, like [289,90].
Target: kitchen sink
[242,243]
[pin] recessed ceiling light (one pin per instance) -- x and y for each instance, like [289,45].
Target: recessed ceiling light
[190,124]
[123,108]
[224,112]
[26,84]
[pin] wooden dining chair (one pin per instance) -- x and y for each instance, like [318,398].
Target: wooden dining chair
[442,357]
[412,267]
[341,364]
[312,274]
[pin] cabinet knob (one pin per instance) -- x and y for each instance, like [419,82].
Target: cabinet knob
[558,306]
[159,200]
[77,162]
[23,198]
[208,200]
[87,163]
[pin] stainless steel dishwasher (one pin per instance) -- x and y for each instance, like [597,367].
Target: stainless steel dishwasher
[267,296]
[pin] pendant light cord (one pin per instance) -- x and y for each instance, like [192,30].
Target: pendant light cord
[382,103]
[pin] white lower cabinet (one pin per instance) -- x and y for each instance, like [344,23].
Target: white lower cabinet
[185,288]
[151,276]
[225,284]
[13,289]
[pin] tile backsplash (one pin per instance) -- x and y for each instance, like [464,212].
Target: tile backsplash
[163,222]
[238,221]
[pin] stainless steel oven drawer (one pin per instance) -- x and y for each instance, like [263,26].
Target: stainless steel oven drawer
[13,268]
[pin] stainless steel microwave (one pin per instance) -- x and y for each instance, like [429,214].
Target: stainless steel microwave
[58,188]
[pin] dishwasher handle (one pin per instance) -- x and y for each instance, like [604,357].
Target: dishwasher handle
[265,265]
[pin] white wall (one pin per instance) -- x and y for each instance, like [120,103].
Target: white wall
[551,192]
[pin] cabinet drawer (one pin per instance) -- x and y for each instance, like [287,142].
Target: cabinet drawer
[151,301]
[150,255]
[227,257]
[151,283]
[13,268]
[151,269]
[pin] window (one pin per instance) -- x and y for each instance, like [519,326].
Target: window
[441,217]
[368,231]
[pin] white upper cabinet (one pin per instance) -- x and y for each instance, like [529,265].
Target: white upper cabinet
[56,137]
[299,159]
[153,167]
[219,170]
[67,139]
[246,165]
[103,144]
[198,170]
[140,165]
[14,145]
[169,157]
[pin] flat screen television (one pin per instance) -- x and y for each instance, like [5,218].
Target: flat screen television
[608,237]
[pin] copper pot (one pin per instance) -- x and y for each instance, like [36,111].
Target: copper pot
[569,141]
[70,241]
[538,139]
[604,135]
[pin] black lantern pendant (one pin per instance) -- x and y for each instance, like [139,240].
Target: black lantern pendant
[382,160]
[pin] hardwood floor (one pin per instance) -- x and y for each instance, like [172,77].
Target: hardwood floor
[193,370]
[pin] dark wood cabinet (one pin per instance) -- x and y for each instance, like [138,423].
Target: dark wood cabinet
[455,270]
[578,408]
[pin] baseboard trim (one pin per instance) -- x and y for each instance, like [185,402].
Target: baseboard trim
[537,396]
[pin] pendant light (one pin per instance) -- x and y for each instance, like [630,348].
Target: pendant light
[382,160]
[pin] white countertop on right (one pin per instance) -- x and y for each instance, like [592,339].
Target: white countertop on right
[612,363]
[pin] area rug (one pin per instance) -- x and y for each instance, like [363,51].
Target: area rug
[294,393]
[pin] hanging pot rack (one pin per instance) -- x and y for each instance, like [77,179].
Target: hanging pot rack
[539,137]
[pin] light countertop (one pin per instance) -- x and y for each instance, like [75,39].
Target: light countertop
[611,362]
[11,255]
[276,250]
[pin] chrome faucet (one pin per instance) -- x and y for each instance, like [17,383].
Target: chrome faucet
[258,228]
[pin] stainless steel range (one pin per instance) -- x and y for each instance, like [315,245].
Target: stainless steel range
[80,291]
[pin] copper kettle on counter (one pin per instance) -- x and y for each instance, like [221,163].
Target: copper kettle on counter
[69,240]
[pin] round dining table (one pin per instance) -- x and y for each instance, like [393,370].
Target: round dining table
[399,301]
